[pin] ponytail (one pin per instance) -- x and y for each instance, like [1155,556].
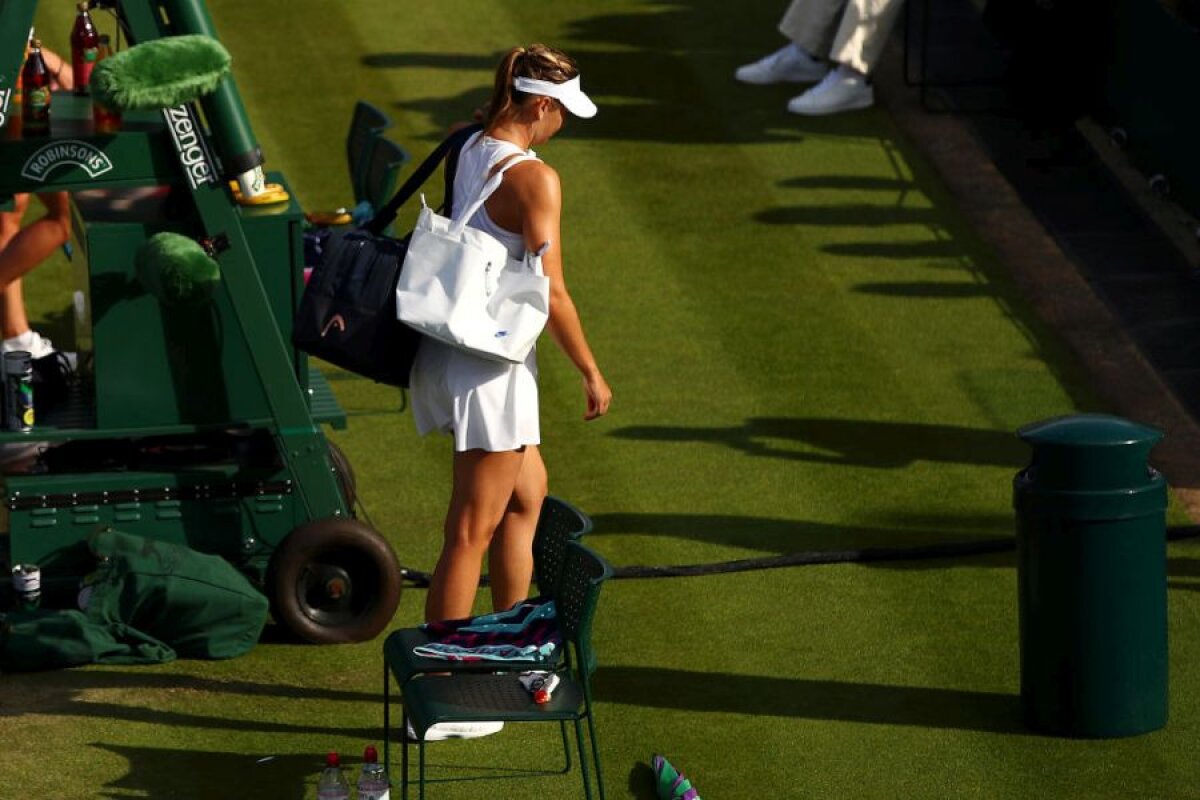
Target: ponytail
[536,61]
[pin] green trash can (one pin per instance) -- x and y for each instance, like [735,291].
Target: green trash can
[1092,577]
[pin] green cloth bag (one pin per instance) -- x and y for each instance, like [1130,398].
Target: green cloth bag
[150,602]
[37,640]
[198,604]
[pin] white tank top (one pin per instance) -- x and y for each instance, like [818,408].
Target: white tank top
[475,163]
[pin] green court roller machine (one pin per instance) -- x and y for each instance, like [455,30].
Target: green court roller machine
[194,420]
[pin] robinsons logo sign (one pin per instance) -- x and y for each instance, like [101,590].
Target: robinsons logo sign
[66,153]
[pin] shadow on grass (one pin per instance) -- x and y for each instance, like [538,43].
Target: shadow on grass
[189,775]
[855,216]
[883,445]
[972,536]
[774,535]
[897,251]
[868,183]
[1184,568]
[66,692]
[641,782]
[928,290]
[111,712]
[205,775]
[838,701]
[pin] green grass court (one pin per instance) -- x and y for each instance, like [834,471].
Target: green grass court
[809,349]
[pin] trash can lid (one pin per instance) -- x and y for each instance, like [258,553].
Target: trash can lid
[1090,430]
[1090,452]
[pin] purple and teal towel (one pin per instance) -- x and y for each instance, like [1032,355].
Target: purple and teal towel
[672,784]
[526,632]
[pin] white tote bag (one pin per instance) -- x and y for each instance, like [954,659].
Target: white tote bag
[459,285]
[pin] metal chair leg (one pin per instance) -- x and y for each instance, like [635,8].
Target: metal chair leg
[387,708]
[404,756]
[583,766]
[595,753]
[421,768]
[562,726]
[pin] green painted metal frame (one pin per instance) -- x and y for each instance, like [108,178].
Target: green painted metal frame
[143,155]
[16,18]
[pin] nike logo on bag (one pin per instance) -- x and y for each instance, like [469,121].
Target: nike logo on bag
[335,321]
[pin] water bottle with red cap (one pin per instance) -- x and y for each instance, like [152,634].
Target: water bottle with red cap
[372,780]
[333,784]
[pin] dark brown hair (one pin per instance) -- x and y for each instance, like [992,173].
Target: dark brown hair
[536,61]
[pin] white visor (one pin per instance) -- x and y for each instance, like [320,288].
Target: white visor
[568,93]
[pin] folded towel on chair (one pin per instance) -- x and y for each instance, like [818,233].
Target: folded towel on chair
[526,632]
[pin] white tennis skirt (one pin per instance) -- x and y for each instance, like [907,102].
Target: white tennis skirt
[487,405]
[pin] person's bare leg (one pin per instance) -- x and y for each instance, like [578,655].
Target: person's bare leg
[510,558]
[483,486]
[10,221]
[12,305]
[38,240]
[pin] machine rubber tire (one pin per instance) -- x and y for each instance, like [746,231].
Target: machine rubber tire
[344,473]
[334,581]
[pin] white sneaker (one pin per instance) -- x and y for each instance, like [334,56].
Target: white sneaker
[788,63]
[455,730]
[843,89]
[36,345]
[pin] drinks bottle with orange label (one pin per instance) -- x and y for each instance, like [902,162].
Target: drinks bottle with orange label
[35,93]
[85,48]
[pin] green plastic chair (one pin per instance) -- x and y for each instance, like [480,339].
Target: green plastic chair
[470,697]
[367,124]
[384,160]
[559,522]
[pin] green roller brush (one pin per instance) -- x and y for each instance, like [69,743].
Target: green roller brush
[176,270]
[162,73]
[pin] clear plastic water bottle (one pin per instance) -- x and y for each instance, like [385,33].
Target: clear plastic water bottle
[333,784]
[372,781]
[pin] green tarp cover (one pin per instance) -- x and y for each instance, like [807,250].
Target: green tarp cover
[151,602]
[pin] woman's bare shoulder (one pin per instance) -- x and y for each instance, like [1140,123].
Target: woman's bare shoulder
[535,179]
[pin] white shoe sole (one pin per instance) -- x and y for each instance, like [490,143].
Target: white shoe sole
[821,111]
[456,730]
[743,75]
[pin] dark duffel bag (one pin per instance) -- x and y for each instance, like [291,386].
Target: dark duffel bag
[347,315]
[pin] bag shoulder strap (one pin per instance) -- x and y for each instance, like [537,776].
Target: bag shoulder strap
[451,145]
[491,185]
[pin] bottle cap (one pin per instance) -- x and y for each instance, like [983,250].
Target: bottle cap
[36,44]
[370,755]
[332,760]
[82,6]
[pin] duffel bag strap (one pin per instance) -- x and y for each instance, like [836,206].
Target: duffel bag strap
[452,143]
